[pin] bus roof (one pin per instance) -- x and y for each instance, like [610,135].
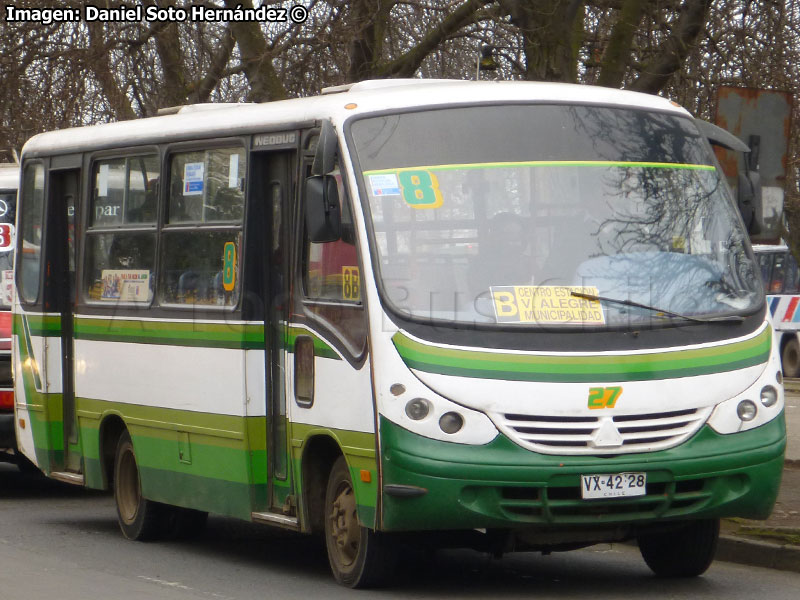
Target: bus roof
[367,96]
[9,176]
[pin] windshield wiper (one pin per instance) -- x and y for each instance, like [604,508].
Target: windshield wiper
[669,313]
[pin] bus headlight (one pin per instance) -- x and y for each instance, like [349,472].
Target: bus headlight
[417,409]
[769,395]
[422,411]
[451,422]
[747,410]
[761,402]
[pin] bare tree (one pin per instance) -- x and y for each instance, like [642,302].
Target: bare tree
[74,73]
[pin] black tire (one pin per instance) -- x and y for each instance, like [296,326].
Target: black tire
[359,557]
[790,358]
[139,518]
[687,551]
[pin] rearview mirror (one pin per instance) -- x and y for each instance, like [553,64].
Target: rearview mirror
[748,198]
[325,155]
[323,217]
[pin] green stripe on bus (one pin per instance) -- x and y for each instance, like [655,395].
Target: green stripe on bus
[226,430]
[576,368]
[549,163]
[39,325]
[172,333]
[245,336]
[44,410]
[28,352]
[212,453]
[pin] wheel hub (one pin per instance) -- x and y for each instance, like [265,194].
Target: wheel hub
[128,490]
[344,526]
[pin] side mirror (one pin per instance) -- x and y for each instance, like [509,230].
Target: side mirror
[717,136]
[325,156]
[323,217]
[748,198]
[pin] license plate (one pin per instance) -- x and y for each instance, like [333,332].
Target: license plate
[615,485]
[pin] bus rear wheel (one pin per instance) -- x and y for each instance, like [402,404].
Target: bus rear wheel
[687,551]
[359,557]
[139,518]
[790,358]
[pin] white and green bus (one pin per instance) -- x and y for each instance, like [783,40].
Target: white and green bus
[510,316]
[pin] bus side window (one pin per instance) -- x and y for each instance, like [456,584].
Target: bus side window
[330,269]
[121,239]
[200,265]
[31,225]
[331,279]
[207,186]
[120,266]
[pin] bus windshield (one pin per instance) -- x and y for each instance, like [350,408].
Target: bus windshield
[514,214]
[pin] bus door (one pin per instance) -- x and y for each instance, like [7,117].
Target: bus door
[273,177]
[60,296]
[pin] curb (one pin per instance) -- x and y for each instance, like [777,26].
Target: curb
[746,551]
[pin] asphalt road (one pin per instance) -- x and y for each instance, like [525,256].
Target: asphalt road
[58,541]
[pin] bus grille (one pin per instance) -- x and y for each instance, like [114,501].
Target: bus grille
[620,434]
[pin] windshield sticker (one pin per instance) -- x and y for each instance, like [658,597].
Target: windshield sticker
[384,185]
[546,305]
[102,181]
[544,163]
[351,284]
[193,179]
[233,171]
[420,189]
[126,285]
[229,266]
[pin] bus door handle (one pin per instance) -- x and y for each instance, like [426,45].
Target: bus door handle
[304,371]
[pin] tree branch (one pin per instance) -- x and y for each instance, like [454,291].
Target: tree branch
[618,50]
[256,60]
[101,66]
[676,47]
[217,70]
[406,64]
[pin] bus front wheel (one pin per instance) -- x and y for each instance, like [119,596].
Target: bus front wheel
[138,517]
[790,358]
[684,552]
[359,557]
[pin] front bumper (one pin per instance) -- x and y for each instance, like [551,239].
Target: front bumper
[501,485]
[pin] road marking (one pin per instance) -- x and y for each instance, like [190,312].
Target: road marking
[180,586]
